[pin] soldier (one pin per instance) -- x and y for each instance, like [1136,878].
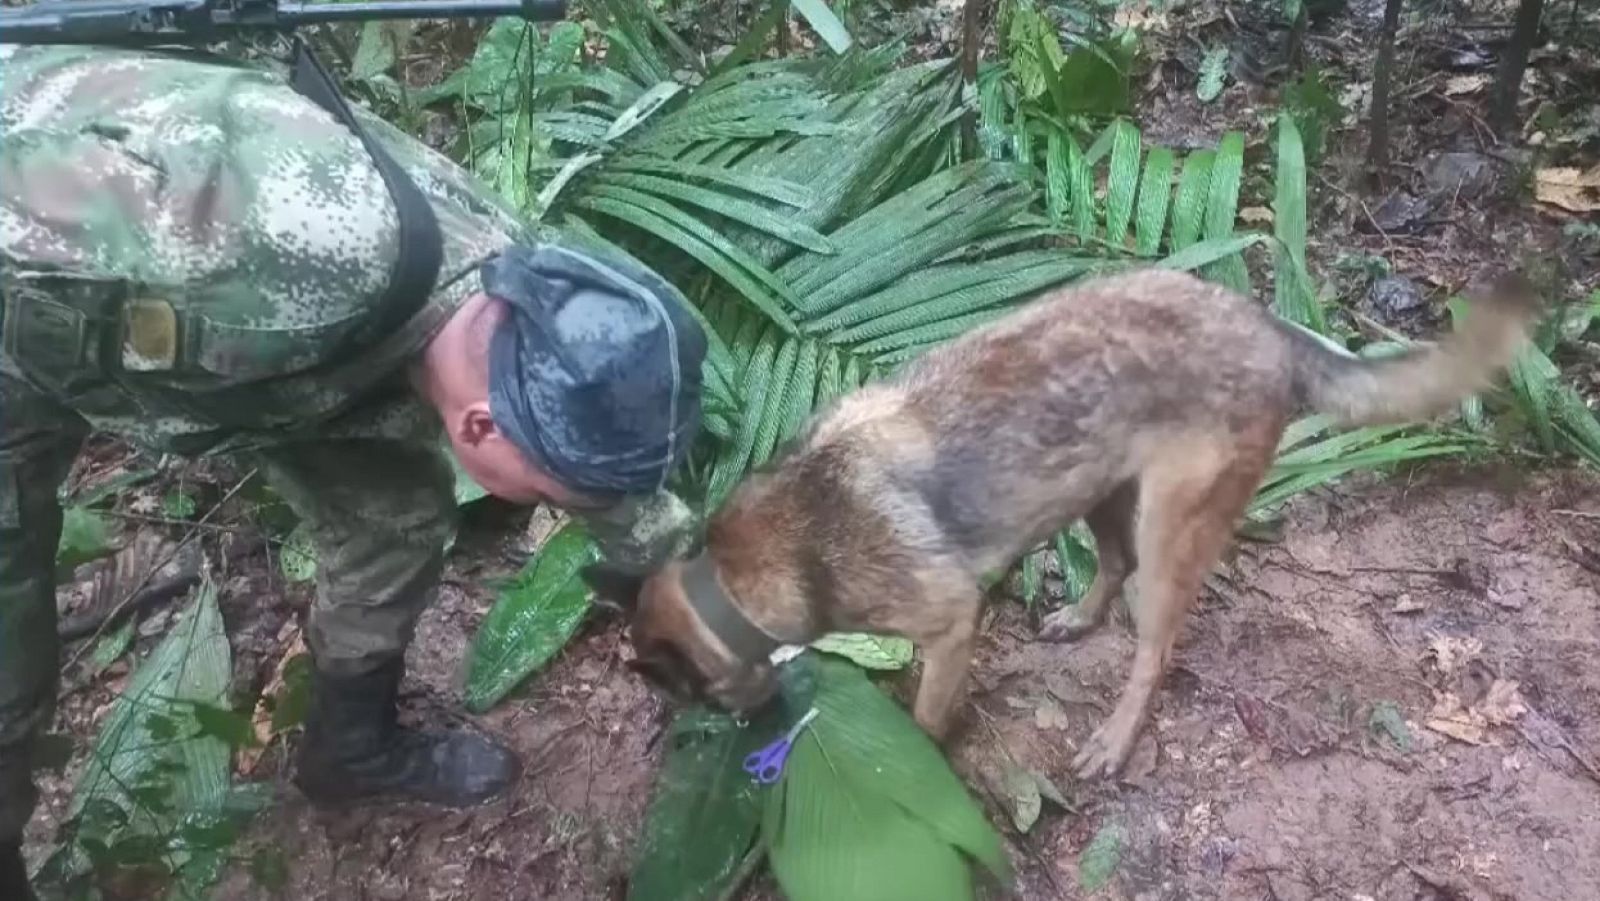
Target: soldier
[201,258]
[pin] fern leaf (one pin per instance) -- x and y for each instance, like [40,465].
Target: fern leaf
[1058,177]
[774,410]
[1009,285]
[935,331]
[1082,190]
[735,208]
[779,190]
[1124,181]
[926,285]
[1222,209]
[697,240]
[734,460]
[802,397]
[830,377]
[1155,193]
[1295,299]
[1188,208]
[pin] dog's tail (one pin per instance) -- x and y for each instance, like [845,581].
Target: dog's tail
[1420,382]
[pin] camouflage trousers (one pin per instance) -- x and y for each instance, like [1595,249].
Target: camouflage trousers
[380,513]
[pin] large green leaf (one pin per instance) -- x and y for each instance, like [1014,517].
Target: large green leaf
[705,812]
[532,619]
[154,766]
[868,809]
[85,536]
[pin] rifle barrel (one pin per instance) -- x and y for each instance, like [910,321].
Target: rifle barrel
[533,10]
[172,21]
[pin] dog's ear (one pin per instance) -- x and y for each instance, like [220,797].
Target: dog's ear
[613,588]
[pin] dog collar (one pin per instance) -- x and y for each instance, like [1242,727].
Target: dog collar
[744,638]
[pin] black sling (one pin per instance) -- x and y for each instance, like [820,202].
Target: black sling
[416,269]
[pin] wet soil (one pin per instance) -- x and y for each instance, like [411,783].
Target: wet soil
[1393,700]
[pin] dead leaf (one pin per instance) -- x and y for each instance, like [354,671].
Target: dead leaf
[250,758]
[1465,84]
[1451,653]
[1139,15]
[1503,704]
[1022,791]
[1569,188]
[1256,215]
[1049,715]
[1405,603]
[1460,730]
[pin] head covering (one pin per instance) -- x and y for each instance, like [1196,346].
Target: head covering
[595,372]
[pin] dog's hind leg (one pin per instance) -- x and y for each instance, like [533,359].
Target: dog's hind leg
[1190,503]
[1111,522]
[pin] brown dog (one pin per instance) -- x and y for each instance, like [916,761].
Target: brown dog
[1151,390]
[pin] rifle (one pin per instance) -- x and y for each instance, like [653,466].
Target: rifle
[148,22]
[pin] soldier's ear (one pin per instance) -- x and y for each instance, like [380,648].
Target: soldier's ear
[613,588]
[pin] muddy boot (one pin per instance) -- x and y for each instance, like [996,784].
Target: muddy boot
[14,873]
[354,750]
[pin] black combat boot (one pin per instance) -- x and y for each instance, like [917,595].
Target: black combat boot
[14,873]
[354,749]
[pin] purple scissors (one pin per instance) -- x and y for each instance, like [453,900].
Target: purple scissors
[766,764]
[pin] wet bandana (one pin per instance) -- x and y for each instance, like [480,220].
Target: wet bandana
[595,374]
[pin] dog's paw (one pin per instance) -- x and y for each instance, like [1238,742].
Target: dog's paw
[1067,624]
[1103,756]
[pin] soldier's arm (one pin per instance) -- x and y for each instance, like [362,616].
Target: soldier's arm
[641,533]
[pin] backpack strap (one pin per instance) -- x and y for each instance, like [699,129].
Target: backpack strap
[416,269]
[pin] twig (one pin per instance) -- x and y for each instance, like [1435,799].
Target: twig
[747,869]
[1561,735]
[194,530]
[80,626]
[1581,514]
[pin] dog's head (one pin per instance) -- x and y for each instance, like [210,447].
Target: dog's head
[674,650]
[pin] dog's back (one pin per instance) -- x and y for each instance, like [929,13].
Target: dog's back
[986,445]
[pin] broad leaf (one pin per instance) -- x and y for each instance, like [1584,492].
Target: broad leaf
[152,760]
[532,619]
[880,652]
[867,808]
[705,812]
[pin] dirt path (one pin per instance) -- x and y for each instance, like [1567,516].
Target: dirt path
[1271,770]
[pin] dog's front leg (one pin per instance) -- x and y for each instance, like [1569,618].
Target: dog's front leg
[947,657]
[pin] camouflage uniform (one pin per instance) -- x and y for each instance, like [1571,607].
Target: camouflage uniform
[184,238]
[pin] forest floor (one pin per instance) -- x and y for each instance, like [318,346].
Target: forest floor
[1392,697]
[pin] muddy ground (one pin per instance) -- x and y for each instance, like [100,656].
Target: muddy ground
[1466,600]
[1394,699]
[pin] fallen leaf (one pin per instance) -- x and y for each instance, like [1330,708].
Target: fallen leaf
[1256,215]
[1099,860]
[1465,84]
[1460,730]
[1503,704]
[1022,790]
[1049,715]
[1451,653]
[1569,188]
[261,723]
[1386,718]
[1405,603]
